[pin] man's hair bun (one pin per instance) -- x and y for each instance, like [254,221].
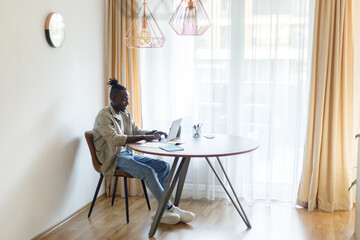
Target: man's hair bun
[115,87]
[112,82]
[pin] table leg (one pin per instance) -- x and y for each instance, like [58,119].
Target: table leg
[236,197]
[169,187]
[181,181]
[241,212]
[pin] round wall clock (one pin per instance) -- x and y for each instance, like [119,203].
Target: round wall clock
[55,30]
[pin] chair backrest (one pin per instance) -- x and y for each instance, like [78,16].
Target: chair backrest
[90,142]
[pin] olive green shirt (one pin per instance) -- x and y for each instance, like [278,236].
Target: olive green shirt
[110,135]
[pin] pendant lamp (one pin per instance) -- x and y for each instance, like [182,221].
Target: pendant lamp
[144,31]
[190,18]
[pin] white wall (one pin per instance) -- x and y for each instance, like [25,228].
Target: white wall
[48,98]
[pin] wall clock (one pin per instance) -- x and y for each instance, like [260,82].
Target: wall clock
[55,30]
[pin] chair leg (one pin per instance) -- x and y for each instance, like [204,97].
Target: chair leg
[95,195]
[146,195]
[126,200]
[114,192]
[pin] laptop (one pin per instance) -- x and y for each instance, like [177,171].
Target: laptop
[173,130]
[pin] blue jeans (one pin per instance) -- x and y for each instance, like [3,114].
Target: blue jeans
[153,171]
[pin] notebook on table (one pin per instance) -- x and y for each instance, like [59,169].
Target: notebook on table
[171,148]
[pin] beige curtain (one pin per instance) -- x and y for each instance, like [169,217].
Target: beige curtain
[123,64]
[329,142]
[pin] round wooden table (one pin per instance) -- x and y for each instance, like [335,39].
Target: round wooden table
[219,146]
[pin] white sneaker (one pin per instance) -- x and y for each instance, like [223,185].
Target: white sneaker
[185,216]
[168,217]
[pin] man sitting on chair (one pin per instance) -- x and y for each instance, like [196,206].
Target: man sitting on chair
[113,130]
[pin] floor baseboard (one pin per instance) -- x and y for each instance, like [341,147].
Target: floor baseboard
[86,207]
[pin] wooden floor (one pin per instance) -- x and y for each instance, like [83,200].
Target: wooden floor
[214,220]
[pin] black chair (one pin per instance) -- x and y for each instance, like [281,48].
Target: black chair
[117,174]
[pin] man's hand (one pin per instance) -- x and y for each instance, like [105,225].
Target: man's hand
[149,138]
[158,134]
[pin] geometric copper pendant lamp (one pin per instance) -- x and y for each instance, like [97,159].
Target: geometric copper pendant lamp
[144,31]
[190,18]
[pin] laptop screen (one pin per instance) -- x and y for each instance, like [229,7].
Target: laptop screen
[174,129]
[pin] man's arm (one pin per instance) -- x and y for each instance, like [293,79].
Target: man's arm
[149,136]
[132,139]
[104,126]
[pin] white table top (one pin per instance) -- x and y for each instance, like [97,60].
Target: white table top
[220,145]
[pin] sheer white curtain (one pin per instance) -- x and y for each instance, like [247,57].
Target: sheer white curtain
[247,76]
